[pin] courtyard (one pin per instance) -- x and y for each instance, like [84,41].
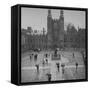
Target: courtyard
[44,67]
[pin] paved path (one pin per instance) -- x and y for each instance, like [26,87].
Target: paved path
[52,67]
[53,70]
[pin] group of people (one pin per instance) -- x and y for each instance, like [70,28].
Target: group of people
[46,62]
[33,55]
[62,66]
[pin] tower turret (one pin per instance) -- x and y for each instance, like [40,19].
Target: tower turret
[49,28]
[61,21]
[49,13]
[61,30]
[61,13]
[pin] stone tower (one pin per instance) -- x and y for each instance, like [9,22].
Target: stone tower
[61,31]
[49,29]
[55,28]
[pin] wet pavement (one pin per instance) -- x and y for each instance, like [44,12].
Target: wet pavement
[29,71]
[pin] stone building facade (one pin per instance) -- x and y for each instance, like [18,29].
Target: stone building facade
[56,36]
[55,30]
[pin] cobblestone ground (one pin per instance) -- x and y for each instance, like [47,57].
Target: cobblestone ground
[29,71]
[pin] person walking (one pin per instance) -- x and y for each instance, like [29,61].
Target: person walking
[49,77]
[30,57]
[35,57]
[46,55]
[58,66]
[37,67]
[47,61]
[76,66]
[63,68]
[73,55]
[43,63]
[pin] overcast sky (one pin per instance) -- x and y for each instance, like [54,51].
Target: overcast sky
[37,18]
